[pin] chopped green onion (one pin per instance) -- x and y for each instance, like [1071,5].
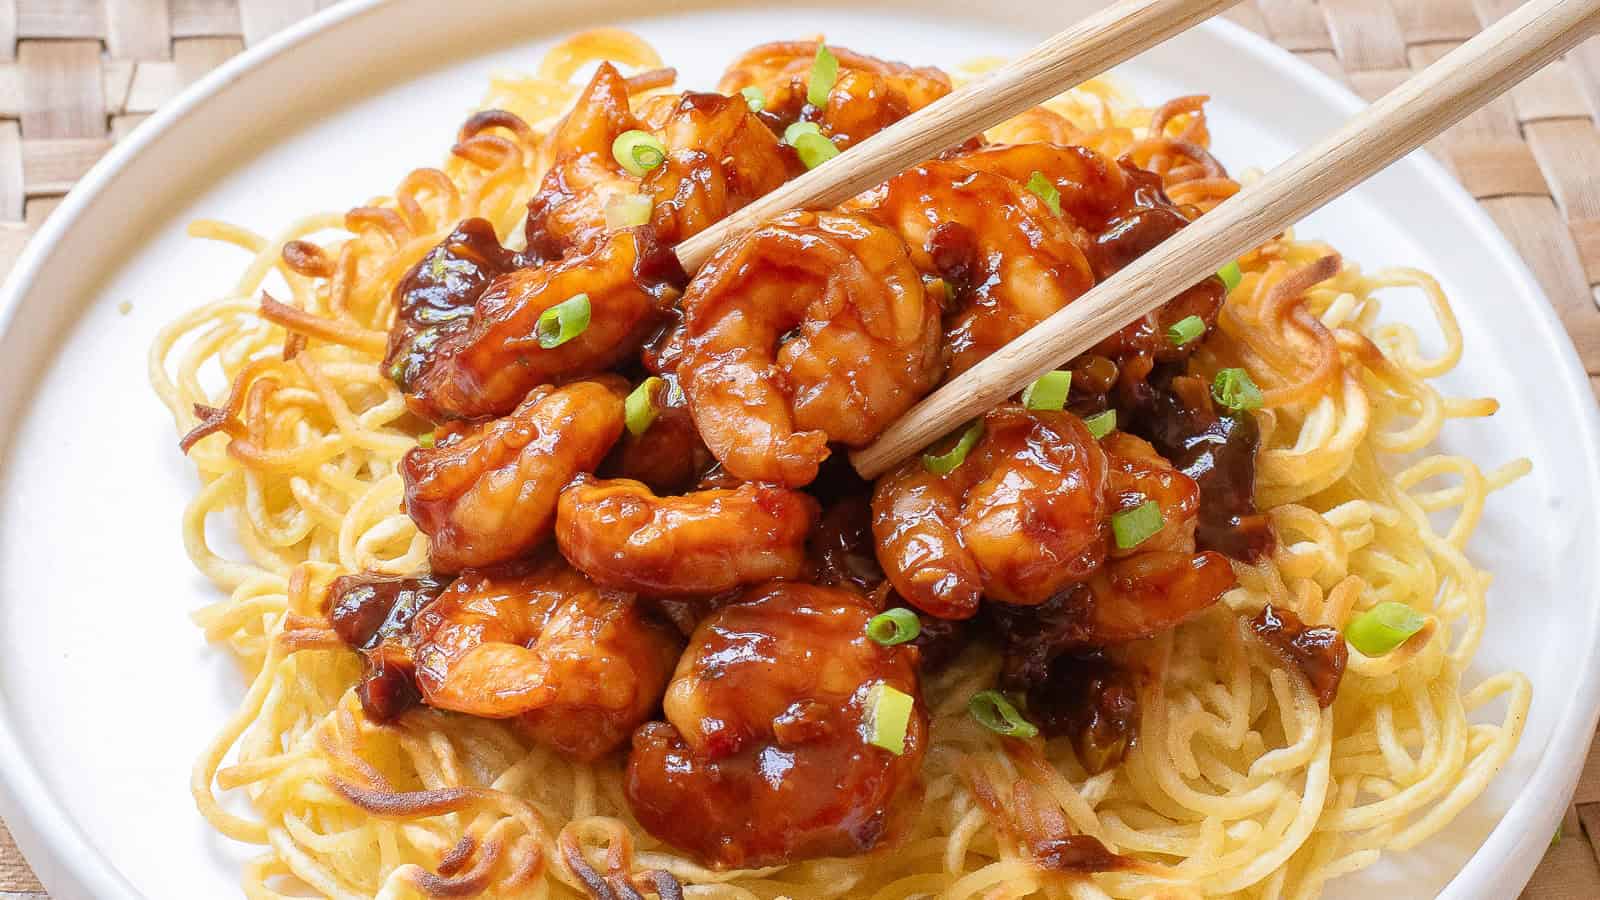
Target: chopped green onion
[639,410]
[675,392]
[638,151]
[824,72]
[1383,628]
[994,712]
[814,150]
[888,717]
[628,210]
[1049,392]
[1046,191]
[754,98]
[796,130]
[945,463]
[1185,330]
[1230,275]
[1234,389]
[426,439]
[1102,423]
[808,141]
[894,626]
[564,321]
[1132,527]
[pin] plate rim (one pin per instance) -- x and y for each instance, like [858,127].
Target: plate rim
[69,864]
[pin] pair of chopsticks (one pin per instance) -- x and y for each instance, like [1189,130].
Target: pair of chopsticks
[1399,122]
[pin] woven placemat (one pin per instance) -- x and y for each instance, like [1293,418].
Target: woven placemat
[76,75]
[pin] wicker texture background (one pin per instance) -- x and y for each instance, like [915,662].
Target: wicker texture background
[76,75]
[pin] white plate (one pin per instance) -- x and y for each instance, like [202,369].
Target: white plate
[107,691]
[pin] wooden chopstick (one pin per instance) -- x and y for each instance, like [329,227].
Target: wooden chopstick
[1402,120]
[1074,55]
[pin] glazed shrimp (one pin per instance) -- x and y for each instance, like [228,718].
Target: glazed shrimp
[869,94]
[719,157]
[487,368]
[812,329]
[1020,518]
[1125,213]
[577,668]
[624,537]
[1006,258]
[487,493]
[764,759]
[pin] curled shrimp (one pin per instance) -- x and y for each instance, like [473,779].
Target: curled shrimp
[487,493]
[1022,516]
[625,537]
[813,328]
[1006,258]
[486,369]
[578,668]
[765,757]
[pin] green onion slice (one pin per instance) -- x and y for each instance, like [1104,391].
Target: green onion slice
[824,72]
[426,439]
[1185,330]
[1046,191]
[1049,391]
[1132,527]
[994,712]
[894,626]
[1102,423]
[814,150]
[1234,389]
[564,321]
[945,463]
[1230,275]
[888,716]
[638,151]
[628,210]
[1383,628]
[794,131]
[639,410]
[754,98]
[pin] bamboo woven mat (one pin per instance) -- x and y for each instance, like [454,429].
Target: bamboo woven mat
[76,75]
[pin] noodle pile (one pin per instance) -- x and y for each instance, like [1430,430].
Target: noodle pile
[1239,784]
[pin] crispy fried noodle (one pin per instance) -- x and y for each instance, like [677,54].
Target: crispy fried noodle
[1241,782]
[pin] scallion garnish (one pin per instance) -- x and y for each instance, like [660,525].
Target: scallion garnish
[888,716]
[564,321]
[1101,423]
[628,210]
[1049,391]
[1046,191]
[994,712]
[894,626]
[754,98]
[1185,330]
[426,439]
[1230,275]
[638,151]
[1234,389]
[1132,527]
[945,463]
[639,410]
[1383,628]
[809,142]
[824,72]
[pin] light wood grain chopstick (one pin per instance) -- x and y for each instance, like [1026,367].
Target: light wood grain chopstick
[1084,50]
[1402,120]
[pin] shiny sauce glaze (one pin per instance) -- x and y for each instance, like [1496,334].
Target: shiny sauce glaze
[1318,653]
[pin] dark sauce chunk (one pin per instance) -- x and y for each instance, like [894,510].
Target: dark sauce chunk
[373,614]
[1318,653]
[435,298]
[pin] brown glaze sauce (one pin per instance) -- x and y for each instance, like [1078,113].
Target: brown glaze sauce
[373,614]
[1318,653]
